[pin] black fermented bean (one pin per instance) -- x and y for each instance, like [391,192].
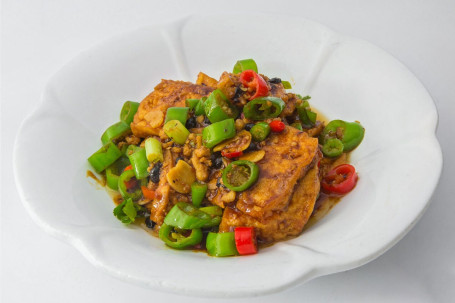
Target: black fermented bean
[155,172]
[149,223]
[249,126]
[191,122]
[275,80]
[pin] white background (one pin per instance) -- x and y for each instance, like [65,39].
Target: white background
[39,36]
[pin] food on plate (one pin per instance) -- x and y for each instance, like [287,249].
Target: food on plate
[225,165]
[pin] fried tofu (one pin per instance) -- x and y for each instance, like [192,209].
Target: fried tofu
[284,223]
[288,156]
[149,118]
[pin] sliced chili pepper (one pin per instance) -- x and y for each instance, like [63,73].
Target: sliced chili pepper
[240,175]
[263,108]
[177,113]
[191,103]
[177,239]
[221,244]
[128,167]
[243,65]
[218,132]
[139,162]
[148,193]
[129,186]
[115,131]
[218,107]
[340,180]
[260,131]
[255,84]
[231,155]
[113,172]
[128,111]
[213,210]
[350,133]
[306,116]
[277,126]
[286,84]
[186,216]
[297,125]
[332,148]
[105,156]
[245,240]
[199,109]
[198,191]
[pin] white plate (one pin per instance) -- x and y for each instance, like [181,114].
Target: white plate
[399,161]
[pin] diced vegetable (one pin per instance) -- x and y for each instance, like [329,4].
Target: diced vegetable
[350,133]
[138,159]
[221,244]
[231,155]
[115,131]
[104,157]
[177,131]
[126,212]
[263,108]
[218,132]
[332,147]
[277,126]
[191,103]
[340,180]
[177,239]
[128,111]
[198,191]
[243,65]
[240,175]
[153,150]
[255,84]
[218,107]
[186,216]
[245,240]
[260,131]
[177,113]
[286,84]
[129,187]
[181,176]
[199,109]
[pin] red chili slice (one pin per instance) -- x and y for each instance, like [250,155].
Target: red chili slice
[277,126]
[254,83]
[128,167]
[340,180]
[245,240]
[148,193]
[232,154]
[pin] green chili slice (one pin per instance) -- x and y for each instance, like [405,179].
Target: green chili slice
[139,162]
[332,147]
[286,84]
[245,64]
[306,116]
[186,216]
[129,186]
[128,111]
[263,108]
[177,113]
[240,175]
[217,132]
[191,103]
[213,210]
[260,131]
[199,109]
[218,107]
[178,239]
[177,131]
[297,125]
[115,131]
[221,244]
[113,172]
[104,157]
[198,191]
[350,133]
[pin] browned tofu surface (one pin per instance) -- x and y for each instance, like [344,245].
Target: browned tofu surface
[283,223]
[287,157]
[151,113]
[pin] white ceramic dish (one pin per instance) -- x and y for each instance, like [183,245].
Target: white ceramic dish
[347,78]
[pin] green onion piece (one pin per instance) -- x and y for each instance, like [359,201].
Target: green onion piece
[217,132]
[153,150]
[297,125]
[126,212]
[115,131]
[104,157]
[198,191]
[128,111]
[139,163]
[260,131]
[199,109]
[191,103]
[177,113]
[177,131]
[286,84]
[213,210]
[221,244]
[245,64]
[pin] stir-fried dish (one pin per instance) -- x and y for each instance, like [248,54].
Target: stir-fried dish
[225,165]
